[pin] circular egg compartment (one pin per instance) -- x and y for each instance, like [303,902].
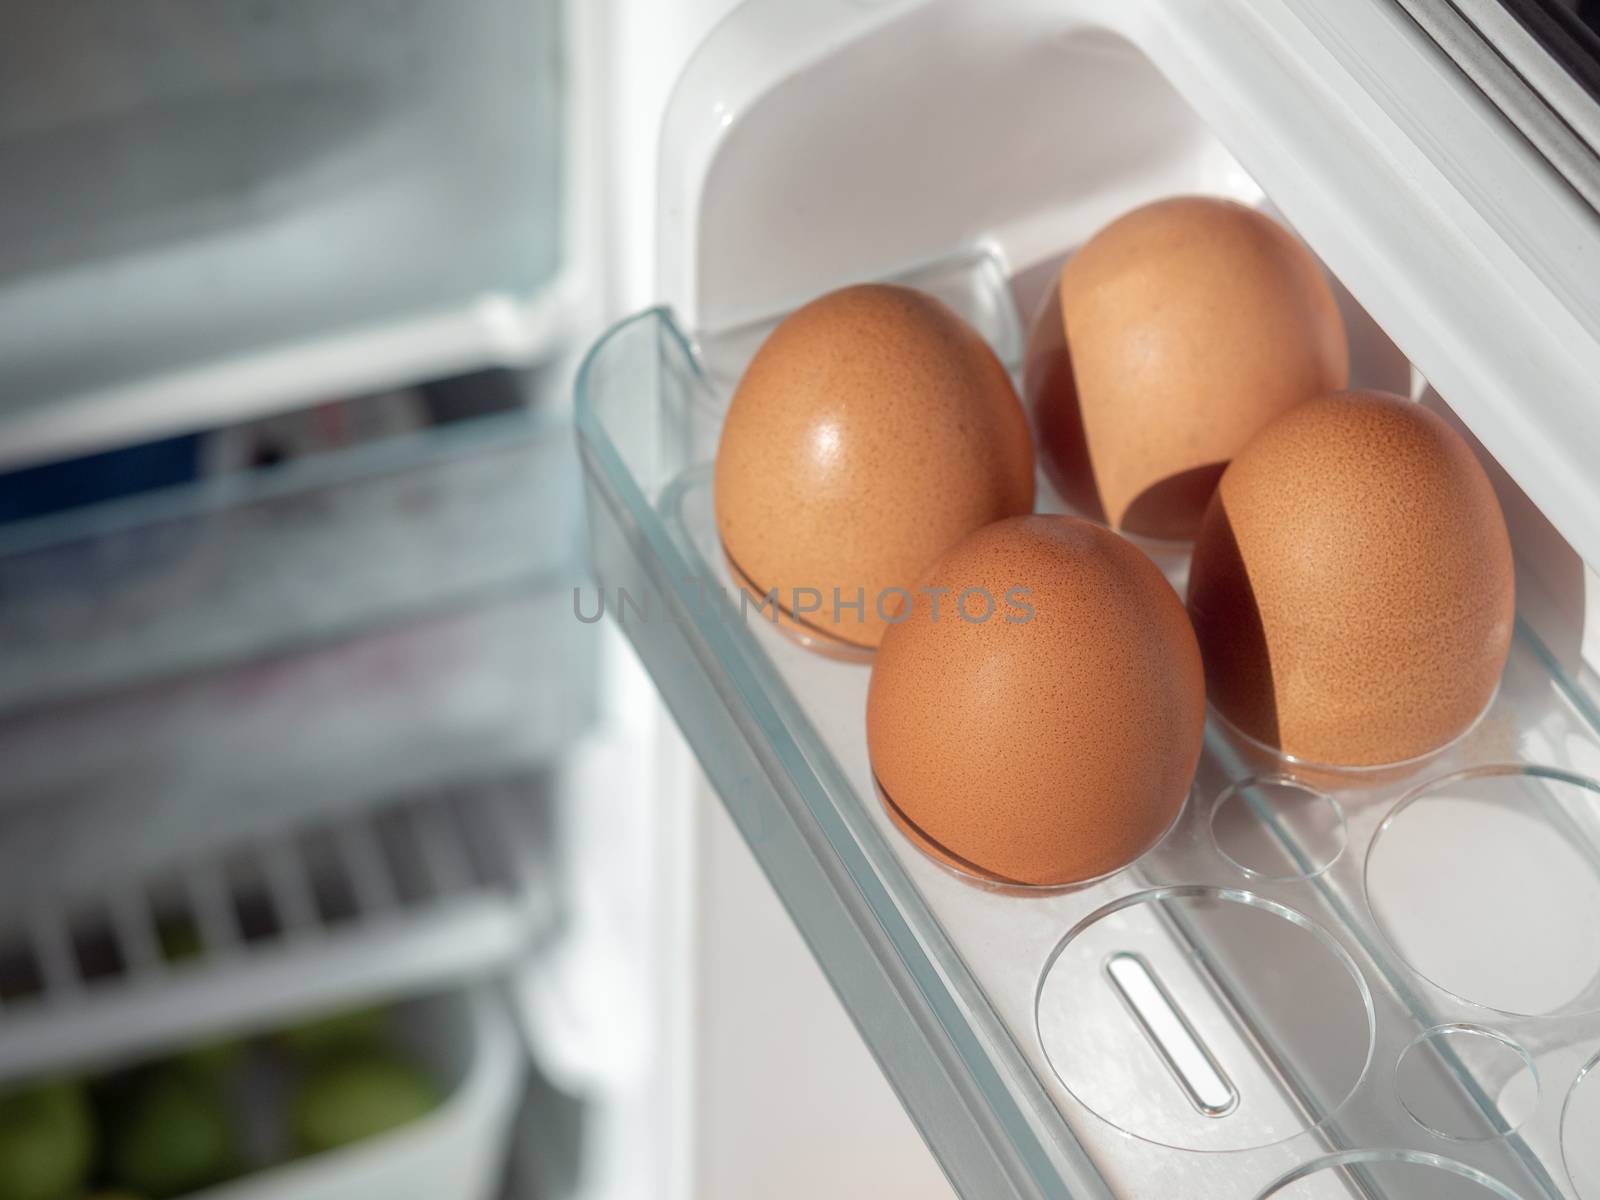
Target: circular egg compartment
[1499,1077]
[793,625]
[1486,883]
[1580,1131]
[1336,774]
[1386,1173]
[1176,1079]
[1183,1072]
[1278,829]
[970,874]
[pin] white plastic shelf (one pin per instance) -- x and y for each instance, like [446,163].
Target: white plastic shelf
[237,567]
[428,891]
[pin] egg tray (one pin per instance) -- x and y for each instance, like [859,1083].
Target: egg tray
[1320,983]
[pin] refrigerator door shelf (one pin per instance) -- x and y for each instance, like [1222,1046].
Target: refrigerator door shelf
[1271,962]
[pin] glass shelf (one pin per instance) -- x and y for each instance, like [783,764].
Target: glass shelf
[1327,951]
[239,566]
[221,660]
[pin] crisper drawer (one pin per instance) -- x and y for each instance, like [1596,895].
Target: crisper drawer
[199,666]
[227,1119]
[1319,983]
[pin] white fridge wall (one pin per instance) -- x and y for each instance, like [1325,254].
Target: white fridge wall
[763,1087]
[808,144]
[649,41]
[790,1105]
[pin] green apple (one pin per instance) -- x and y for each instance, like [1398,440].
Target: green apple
[168,1133]
[214,1060]
[346,1099]
[356,1029]
[46,1142]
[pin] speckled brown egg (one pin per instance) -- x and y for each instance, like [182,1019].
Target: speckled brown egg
[1173,336]
[1352,584]
[872,431]
[1041,725]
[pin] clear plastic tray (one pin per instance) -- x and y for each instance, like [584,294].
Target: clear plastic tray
[1319,984]
[192,667]
[199,576]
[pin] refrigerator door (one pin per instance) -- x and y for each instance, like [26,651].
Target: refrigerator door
[1539,62]
[1251,1009]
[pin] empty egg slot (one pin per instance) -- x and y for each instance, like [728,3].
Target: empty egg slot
[1483,882]
[1386,1175]
[1580,1120]
[1172,983]
[1277,828]
[1467,1082]
[1170,1035]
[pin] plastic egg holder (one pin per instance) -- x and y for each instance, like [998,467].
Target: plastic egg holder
[974,878]
[1300,981]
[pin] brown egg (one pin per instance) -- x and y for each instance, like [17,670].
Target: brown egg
[1173,335]
[1352,584]
[873,430]
[1056,740]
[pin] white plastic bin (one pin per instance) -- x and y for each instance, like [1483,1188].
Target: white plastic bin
[457,1152]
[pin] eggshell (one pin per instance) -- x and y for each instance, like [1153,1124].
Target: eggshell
[1056,741]
[1352,585]
[873,430]
[1173,336]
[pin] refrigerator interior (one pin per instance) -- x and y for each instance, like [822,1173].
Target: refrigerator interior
[320,736]
[309,724]
[1381,984]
